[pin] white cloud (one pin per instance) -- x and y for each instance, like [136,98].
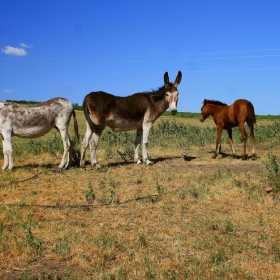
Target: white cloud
[9,90]
[25,46]
[14,51]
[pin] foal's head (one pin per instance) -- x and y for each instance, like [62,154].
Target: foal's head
[205,110]
[171,94]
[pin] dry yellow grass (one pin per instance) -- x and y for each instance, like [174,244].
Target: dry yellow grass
[185,217]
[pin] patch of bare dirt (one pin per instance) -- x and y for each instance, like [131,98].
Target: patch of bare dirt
[44,269]
[234,166]
[200,160]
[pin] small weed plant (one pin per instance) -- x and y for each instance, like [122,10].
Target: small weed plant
[272,167]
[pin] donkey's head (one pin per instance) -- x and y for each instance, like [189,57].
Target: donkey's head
[171,94]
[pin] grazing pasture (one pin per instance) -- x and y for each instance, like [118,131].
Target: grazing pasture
[187,216]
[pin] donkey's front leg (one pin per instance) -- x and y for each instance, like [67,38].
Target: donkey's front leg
[6,158]
[8,152]
[139,134]
[146,130]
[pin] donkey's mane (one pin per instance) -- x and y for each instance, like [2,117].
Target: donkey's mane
[153,93]
[214,102]
[157,91]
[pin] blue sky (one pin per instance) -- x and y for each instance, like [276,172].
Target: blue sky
[226,50]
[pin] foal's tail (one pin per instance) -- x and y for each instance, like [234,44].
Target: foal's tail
[76,125]
[251,118]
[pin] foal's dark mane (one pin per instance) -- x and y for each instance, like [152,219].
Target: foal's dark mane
[214,102]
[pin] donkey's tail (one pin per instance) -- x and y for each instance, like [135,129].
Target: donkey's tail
[251,119]
[86,111]
[76,125]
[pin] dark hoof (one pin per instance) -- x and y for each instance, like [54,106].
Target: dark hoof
[254,157]
[214,156]
[233,156]
[244,157]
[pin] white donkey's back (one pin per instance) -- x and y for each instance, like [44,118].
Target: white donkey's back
[31,121]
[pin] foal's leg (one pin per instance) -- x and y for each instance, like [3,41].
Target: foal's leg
[146,130]
[139,134]
[7,151]
[218,141]
[85,144]
[252,137]
[244,136]
[93,146]
[231,141]
[68,148]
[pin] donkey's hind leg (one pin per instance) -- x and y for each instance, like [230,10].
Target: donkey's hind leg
[93,146]
[85,144]
[68,148]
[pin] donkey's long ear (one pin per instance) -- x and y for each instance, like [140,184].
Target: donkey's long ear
[178,79]
[166,79]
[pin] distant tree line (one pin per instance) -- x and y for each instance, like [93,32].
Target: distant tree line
[23,102]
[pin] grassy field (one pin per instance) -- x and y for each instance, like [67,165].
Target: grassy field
[187,216]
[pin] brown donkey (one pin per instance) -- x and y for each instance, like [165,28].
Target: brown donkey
[138,111]
[226,117]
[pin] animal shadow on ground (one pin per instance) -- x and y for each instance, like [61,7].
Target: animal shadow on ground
[36,165]
[161,159]
[188,158]
[75,163]
[154,160]
[224,155]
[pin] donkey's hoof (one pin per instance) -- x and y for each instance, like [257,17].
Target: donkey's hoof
[233,155]
[214,156]
[138,161]
[96,166]
[254,157]
[148,162]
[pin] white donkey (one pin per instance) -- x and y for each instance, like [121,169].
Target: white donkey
[32,121]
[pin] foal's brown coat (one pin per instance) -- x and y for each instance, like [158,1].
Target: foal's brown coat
[138,111]
[226,117]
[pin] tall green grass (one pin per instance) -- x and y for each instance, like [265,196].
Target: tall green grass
[166,134]
[189,115]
